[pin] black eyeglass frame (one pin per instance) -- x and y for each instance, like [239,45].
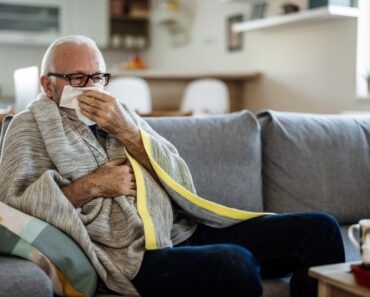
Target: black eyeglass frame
[69,77]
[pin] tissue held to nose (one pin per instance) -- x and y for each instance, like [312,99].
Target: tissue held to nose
[69,100]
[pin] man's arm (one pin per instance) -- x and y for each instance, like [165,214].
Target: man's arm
[80,191]
[110,116]
[134,145]
[111,180]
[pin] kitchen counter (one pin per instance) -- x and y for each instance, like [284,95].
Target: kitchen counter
[156,74]
[167,88]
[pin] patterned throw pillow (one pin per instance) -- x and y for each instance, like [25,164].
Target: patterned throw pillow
[67,267]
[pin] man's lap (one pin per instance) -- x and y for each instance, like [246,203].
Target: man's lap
[271,246]
[276,241]
[207,270]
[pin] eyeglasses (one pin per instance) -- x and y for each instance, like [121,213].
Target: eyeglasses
[81,79]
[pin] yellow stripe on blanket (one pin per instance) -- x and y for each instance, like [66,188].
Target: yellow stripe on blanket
[216,208]
[149,230]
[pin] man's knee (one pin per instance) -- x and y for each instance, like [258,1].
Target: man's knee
[239,266]
[239,258]
[327,222]
[328,233]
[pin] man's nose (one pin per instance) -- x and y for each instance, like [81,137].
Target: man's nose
[90,83]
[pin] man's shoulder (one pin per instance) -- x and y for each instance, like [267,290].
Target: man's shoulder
[21,134]
[24,115]
[23,118]
[22,121]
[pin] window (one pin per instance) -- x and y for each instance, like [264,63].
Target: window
[363,50]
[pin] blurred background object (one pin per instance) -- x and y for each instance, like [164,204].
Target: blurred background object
[135,62]
[170,15]
[206,96]
[321,3]
[129,24]
[132,91]
[290,8]
[26,86]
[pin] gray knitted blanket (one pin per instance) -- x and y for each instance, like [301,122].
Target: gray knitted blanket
[46,147]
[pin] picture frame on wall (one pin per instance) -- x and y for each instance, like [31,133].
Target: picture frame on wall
[234,39]
[258,10]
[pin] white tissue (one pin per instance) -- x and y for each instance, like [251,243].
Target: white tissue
[69,100]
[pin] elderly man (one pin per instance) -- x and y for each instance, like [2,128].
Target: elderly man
[126,196]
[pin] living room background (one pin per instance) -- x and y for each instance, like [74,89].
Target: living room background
[308,67]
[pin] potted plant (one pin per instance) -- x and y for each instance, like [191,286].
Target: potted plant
[368,81]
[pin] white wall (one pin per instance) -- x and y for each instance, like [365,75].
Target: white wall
[306,67]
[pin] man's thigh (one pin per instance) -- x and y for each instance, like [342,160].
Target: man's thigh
[209,270]
[278,242]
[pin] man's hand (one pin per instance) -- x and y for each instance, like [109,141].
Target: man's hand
[111,180]
[114,179]
[108,114]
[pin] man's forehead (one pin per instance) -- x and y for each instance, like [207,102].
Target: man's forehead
[77,58]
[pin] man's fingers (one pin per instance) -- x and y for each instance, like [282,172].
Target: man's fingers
[99,95]
[133,177]
[132,193]
[92,101]
[91,116]
[88,108]
[133,186]
[117,162]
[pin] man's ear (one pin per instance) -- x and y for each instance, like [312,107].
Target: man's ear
[46,85]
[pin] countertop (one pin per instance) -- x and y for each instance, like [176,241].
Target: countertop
[168,75]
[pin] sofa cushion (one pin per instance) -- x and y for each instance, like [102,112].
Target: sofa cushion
[223,154]
[316,163]
[20,277]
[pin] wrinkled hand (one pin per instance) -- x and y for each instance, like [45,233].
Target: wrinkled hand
[114,179]
[107,112]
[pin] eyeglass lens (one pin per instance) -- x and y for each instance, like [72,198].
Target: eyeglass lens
[80,80]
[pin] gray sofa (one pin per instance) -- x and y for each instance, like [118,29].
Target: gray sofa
[277,162]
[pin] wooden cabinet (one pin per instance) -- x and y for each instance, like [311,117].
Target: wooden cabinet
[129,24]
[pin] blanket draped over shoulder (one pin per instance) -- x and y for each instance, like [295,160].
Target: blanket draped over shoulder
[47,147]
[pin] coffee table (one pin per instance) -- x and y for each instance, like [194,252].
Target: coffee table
[337,281]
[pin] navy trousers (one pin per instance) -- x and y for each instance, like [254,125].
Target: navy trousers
[231,262]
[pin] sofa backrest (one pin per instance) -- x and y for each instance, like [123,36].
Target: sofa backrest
[316,162]
[223,154]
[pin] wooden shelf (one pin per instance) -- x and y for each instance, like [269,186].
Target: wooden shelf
[129,25]
[311,15]
[129,19]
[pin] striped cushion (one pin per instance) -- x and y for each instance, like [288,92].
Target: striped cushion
[69,270]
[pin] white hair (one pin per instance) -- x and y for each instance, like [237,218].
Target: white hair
[47,64]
